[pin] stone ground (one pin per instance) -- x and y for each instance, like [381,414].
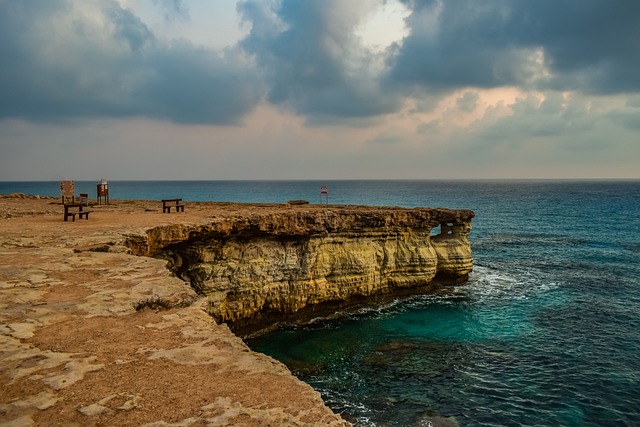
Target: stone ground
[74,350]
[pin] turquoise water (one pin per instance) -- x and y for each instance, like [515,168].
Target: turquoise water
[546,332]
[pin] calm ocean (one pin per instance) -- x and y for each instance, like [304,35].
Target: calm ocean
[546,332]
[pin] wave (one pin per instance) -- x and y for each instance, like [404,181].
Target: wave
[486,283]
[486,287]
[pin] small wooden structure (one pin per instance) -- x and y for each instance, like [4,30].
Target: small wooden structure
[67,191]
[167,204]
[103,193]
[68,212]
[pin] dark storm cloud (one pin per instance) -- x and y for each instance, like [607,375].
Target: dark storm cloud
[316,66]
[192,85]
[62,59]
[592,46]
[457,44]
[313,60]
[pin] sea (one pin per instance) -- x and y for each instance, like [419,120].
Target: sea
[545,333]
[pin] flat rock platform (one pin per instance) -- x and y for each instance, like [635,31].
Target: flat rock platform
[83,342]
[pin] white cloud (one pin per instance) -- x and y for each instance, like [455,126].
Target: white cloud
[384,25]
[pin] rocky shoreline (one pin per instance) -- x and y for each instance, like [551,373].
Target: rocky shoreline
[94,334]
[294,264]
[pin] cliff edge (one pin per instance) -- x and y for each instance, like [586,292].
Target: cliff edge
[92,333]
[259,269]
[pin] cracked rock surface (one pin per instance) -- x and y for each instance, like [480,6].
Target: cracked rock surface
[75,351]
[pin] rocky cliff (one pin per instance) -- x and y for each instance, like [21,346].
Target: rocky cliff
[91,335]
[259,269]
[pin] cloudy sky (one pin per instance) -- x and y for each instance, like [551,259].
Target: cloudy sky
[319,89]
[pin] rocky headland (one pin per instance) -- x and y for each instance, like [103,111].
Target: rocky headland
[125,318]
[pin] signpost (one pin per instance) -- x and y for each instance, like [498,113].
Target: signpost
[324,194]
[103,193]
[67,191]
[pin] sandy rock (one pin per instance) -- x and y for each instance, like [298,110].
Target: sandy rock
[74,350]
[94,331]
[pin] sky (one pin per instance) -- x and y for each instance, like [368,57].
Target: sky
[319,89]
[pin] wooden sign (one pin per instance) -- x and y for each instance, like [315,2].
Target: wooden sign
[67,191]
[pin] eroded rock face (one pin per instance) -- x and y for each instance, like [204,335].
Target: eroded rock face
[261,269]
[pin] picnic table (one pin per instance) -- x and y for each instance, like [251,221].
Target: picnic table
[68,212]
[167,204]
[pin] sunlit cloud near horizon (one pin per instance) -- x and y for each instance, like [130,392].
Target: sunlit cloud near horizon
[319,89]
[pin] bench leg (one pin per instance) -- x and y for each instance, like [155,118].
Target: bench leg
[180,208]
[166,209]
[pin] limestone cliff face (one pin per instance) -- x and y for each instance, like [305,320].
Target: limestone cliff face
[263,268]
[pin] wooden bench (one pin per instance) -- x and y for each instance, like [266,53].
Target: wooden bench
[167,204]
[69,213]
[85,214]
